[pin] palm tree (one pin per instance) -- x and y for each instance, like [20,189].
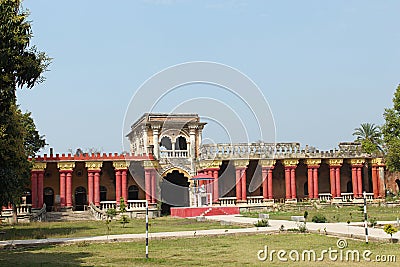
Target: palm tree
[370,137]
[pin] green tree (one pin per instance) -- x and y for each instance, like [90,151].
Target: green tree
[370,137]
[122,210]
[390,230]
[391,133]
[21,66]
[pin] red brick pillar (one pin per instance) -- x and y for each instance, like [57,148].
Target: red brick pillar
[244,185]
[117,186]
[121,182]
[124,185]
[264,174]
[334,167]
[215,189]
[34,189]
[94,168]
[68,189]
[359,181]
[332,175]
[313,165]
[37,180]
[375,186]
[270,191]
[290,177]
[62,189]
[315,182]
[287,183]
[293,182]
[310,182]
[97,188]
[147,182]
[354,180]
[40,188]
[153,186]
[90,186]
[238,185]
[378,184]
[337,178]
[266,171]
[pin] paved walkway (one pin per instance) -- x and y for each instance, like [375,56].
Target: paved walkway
[354,230]
[336,229]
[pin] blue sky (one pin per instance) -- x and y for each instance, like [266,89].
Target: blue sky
[324,66]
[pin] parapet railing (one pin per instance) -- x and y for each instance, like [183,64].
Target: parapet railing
[174,154]
[277,151]
[97,213]
[40,215]
[136,205]
[105,205]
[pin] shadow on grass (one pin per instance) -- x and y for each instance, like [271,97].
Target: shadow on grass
[15,233]
[41,256]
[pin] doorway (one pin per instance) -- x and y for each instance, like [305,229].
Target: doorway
[174,191]
[80,198]
[48,198]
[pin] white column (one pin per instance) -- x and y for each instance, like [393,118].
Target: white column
[192,139]
[145,140]
[155,129]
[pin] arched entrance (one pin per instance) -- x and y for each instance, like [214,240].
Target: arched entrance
[48,198]
[174,191]
[80,198]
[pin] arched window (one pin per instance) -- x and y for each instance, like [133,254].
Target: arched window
[133,192]
[103,193]
[166,143]
[180,143]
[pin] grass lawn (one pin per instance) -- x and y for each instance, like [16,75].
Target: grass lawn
[237,250]
[336,214]
[93,228]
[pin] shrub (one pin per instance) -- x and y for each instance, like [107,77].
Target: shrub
[390,230]
[319,218]
[372,222]
[262,223]
[302,227]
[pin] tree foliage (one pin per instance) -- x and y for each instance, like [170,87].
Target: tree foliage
[391,133]
[370,137]
[20,66]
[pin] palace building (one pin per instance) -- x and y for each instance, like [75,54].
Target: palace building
[167,161]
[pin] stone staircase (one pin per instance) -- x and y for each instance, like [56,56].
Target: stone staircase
[69,216]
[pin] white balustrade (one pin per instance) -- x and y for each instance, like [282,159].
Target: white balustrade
[255,200]
[369,196]
[24,209]
[136,205]
[325,197]
[105,205]
[174,154]
[227,201]
[347,197]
